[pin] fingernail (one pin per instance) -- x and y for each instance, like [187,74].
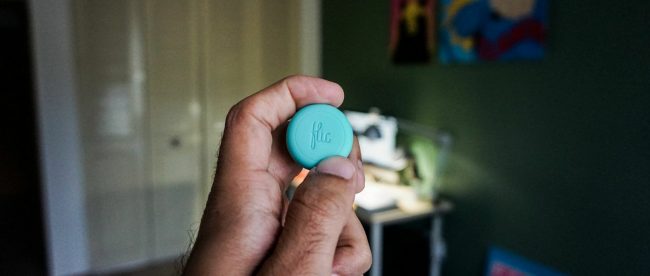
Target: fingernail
[337,166]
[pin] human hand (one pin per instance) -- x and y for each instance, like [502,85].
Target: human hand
[248,224]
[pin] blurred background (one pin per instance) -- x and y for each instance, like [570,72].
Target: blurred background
[113,111]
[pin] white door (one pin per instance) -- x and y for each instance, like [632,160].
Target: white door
[172,65]
[111,102]
[154,81]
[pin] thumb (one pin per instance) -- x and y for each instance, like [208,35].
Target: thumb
[316,216]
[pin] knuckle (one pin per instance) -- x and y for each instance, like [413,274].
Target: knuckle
[312,212]
[321,202]
[358,263]
[240,112]
[233,114]
[365,259]
[294,81]
[292,78]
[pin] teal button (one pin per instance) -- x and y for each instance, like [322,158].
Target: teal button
[316,132]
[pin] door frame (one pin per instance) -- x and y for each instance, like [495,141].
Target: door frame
[59,137]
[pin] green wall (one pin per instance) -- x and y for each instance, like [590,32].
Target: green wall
[552,157]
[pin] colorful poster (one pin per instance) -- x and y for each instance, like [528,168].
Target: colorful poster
[485,30]
[411,31]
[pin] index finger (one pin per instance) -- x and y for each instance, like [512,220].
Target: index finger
[249,125]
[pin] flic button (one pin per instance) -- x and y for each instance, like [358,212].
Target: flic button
[316,132]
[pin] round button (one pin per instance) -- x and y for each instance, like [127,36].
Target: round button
[316,132]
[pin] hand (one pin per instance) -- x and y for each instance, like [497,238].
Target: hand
[248,224]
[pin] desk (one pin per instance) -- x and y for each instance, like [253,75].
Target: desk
[377,221]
